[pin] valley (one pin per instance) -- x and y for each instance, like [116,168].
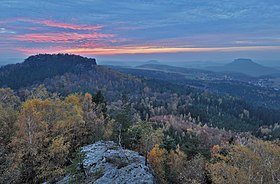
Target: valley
[51,105]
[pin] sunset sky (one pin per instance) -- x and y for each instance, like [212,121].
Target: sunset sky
[135,30]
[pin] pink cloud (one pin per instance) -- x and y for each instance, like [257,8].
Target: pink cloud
[91,45]
[62,37]
[7,21]
[63,25]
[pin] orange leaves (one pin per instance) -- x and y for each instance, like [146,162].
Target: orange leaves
[255,162]
[215,149]
[59,146]
[156,154]
[223,173]
[157,158]
[48,130]
[217,153]
[177,158]
[170,167]
[87,103]
[31,119]
[73,99]
[36,104]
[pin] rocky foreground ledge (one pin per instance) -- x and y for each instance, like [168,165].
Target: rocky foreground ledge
[106,162]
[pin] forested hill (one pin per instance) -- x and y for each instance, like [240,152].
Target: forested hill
[152,95]
[39,67]
[61,103]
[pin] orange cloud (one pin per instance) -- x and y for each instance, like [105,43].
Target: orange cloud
[62,37]
[158,50]
[143,50]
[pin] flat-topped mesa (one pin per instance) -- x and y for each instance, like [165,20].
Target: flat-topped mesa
[243,60]
[39,67]
[68,59]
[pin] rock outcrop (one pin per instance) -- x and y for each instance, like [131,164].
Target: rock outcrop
[106,162]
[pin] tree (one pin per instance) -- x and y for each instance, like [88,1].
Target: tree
[157,159]
[8,98]
[96,126]
[168,143]
[8,118]
[49,132]
[143,137]
[30,138]
[99,100]
[256,162]
[173,166]
[9,105]
[124,119]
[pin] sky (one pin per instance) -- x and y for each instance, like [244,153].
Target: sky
[139,30]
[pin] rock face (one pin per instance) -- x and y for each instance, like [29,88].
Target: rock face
[37,68]
[106,162]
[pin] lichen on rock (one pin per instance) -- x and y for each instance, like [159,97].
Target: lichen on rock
[106,162]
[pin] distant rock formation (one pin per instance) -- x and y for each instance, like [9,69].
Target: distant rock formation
[245,66]
[154,62]
[39,67]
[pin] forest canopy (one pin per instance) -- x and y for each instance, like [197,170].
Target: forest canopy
[187,135]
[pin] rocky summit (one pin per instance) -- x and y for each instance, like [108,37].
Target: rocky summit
[106,162]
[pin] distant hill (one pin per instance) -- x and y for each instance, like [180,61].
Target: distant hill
[198,64]
[37,68]
[245,66]
[160,67]
[128,63]
[113,63]
[65,74]
[153,62]
[166,68]
[193,73]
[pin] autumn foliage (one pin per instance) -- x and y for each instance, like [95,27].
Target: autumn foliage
[48,133]
[42,134]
